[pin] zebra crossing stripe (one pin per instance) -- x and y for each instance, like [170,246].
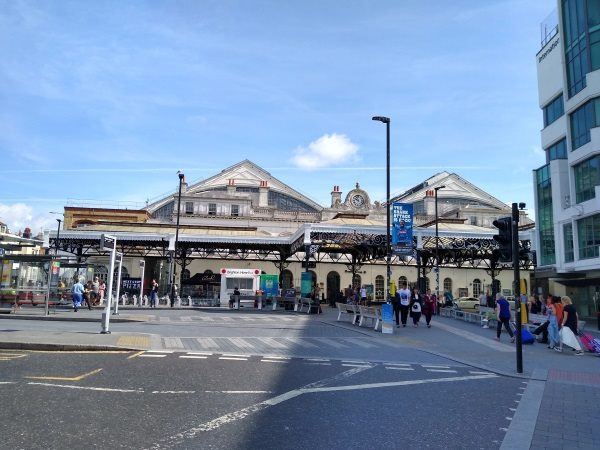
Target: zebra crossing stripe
[300,342]
[186,318]
[331,342]
[207,343]
[270,342]
[359,342]
[241,342]
[173,342]
[164,319]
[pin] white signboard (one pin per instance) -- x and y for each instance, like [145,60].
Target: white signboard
[240,272]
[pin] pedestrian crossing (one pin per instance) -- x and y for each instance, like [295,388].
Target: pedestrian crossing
[288,344]
[227,320]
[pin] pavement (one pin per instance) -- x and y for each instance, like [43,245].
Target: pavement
[557,395]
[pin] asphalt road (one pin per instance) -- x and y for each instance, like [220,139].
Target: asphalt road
[216,400]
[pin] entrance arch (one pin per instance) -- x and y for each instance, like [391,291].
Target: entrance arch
[333,285]
[287,279]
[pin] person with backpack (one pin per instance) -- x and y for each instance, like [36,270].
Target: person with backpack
[416,302]
[404,304]
[503,316]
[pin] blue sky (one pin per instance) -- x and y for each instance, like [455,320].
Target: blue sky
[107,100]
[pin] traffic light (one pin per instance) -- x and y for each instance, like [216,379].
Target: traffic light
[504,238]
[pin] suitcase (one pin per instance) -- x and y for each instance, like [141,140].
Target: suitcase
[527,337]
[588,341]
[596,344]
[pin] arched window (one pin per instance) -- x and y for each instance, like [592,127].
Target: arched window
[208,272]
[333,285]
[476,287]
[286,279]
[185,275]
[101,272]
[314,277]
[448,285]
[379,287]
[402,280]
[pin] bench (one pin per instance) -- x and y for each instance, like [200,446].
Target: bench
[310,304]
[348,310]
[372,313]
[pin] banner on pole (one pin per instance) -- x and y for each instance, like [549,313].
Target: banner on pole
[402,228]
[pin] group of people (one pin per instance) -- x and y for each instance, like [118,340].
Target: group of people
[406,302]
[561,326]
[90,293]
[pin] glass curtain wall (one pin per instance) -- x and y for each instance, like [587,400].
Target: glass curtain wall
[588,233]
[587,177]
[545,217]
[575,42]
[568,242]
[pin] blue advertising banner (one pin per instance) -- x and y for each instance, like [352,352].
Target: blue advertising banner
[269,284]
[402,228]
[387,319]
[306,280]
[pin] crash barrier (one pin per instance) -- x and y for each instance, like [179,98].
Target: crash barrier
[347,310]
[372,313]
[310,305]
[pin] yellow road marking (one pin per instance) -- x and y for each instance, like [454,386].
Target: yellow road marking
[79,378]
[135,355]
[95,352]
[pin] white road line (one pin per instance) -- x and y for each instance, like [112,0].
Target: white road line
[160,351]
[317,359]
[276,357]
[477,372]
[214,424]
[151,355]
[186,318]
[226,319]
[396,364]
[299,342]
[241,342]
[229,358]
[207,343]
[508,418]
[238,392]
[356,365]
[399,368]
[12,355]
[173,342]
[234,355]
[87,388]
[442,370]
[273,360]
[270,342]
[8,382]
[331,342]
[360,342]
[318,364]
[173,392]
[193,357]
[434,366]
[208,319]
[200,353]
[164,319]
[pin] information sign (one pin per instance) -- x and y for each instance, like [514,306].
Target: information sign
[306,280]
[387,319]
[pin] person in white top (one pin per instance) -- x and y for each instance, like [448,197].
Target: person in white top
[404,295]
[363,295]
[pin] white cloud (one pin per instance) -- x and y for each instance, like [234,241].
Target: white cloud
[328,150]
[537,150]
[19,216]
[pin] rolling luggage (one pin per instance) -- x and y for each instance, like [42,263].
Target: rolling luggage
[527,337]
[588,341]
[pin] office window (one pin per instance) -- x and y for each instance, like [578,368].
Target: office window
[448,285]
[379,287]
[235,210]
[587,177]
[588,231]
[575,42]
[568,242]
[476,287]
[545,216]
[212,209]
[583,120]
[557,151]
[189,207]
[593,20]
[553,110]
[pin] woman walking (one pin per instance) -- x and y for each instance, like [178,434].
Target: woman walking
[553,336]
[503,317]
[429,302]
[416,302]
[568,331]
[101,291]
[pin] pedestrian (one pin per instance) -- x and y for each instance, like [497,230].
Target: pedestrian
[363,295]
[153,294]
[416,302]
[535,305]
[396,306]
[553,336]
[490,300]
[95,290]
[503,317]
[232,297]
[87,294]
[77,293]
[482,299]
[569,324]
[429,301]
[404,295]
[102,290]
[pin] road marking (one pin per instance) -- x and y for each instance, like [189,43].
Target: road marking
[186,318]
[214,424]
[207,343]
[173,392]
[475,338]
[239,392]
[318,364]
[229,358]
[135,355]
[88,388]
[270,342]
[12,355]
[477,372]
[399,368]
[508,418]
[300,342]
[317,359]
[193,357]
[434,366]
[226,319]
[276,357]
[164,319]
[397,364]
[513,409]
[442,370]
[241,343]
[152,355]
[160,351]
[331,342]
[273,360]
[78,378]
[173,342]
[8,382]
[355,365]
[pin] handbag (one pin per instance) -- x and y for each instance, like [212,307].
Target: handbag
[416,307]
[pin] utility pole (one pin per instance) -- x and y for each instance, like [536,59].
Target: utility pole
[517,282]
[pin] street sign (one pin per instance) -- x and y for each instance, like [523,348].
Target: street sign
[311,264]
[142,264]
[119,257]
[108,243]
[387,319]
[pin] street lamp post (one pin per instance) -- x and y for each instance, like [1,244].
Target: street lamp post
[172,290]
[388,251]
[437,246]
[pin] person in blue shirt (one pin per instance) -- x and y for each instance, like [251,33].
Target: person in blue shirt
[503,315]
[77,291]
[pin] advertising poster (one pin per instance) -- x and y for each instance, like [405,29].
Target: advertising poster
[306,284]
[387,319]
[269,284]
[54,274]
[402,228]
[6,270]
[131,284]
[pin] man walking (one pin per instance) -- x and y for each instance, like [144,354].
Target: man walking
[154,294]
[404,295]
[77,292]
[503,316]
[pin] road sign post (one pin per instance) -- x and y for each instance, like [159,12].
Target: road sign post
[142,270]
[108,243]
[517,284]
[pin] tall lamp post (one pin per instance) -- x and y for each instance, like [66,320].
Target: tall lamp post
[57,231]
[437,246]
[388,251]
[172,290]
